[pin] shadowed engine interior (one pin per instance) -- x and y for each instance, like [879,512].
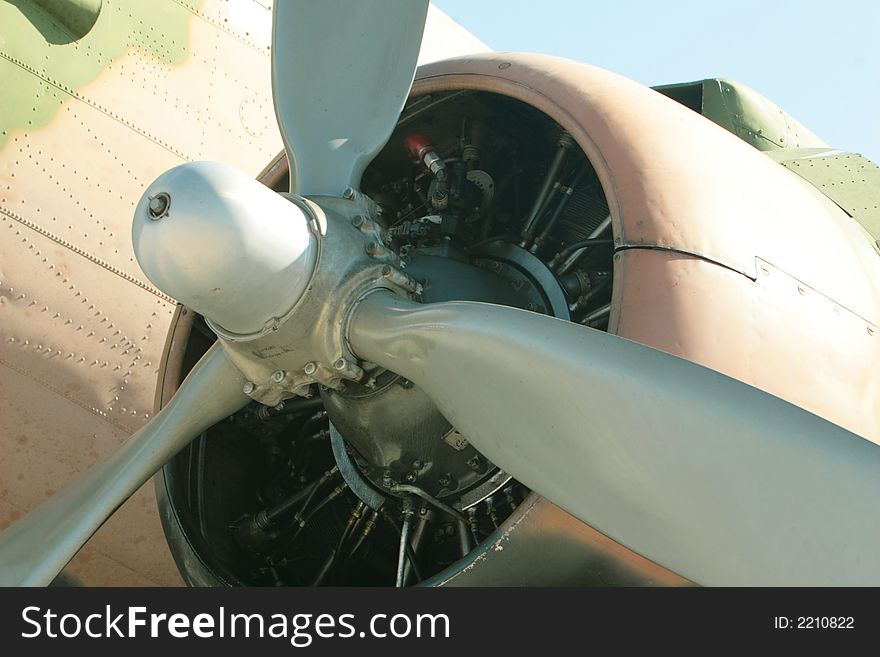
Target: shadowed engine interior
[485,199]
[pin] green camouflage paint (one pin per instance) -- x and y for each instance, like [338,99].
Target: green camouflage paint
[42,65]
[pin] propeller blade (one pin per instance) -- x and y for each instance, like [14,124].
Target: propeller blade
[35,549]
[701,473]
[341,72]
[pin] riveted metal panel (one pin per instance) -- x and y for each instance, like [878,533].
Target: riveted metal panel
[84,127]
[46,440]
[849,179]
[79,330]
[753,118]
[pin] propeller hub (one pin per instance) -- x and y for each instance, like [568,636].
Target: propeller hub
[225,245]
[275,276]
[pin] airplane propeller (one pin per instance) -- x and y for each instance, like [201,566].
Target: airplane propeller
[718,481]
[37,547]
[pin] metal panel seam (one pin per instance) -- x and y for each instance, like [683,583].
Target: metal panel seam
[85,254]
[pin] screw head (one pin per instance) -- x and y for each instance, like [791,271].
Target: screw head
[375,249]
[248,388]
[278,376]
[159,205]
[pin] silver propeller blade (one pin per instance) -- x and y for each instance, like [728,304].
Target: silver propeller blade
[710,477]
[341,72]
[35,549]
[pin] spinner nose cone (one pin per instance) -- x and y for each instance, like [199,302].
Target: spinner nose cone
[224,245]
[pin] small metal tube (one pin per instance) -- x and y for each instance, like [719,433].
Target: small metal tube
[577,248]
[490,511]
[401,555]
[601,227]
[567,193]
[370,524]
[574,257]
[472,524]
[589,296]
[308,492]
[424,519]
[464,538]
[303,521]
[336,551]
[430,499]
[597,314]
[277,511]
[564,144]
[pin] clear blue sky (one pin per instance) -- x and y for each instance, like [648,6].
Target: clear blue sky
[817,59]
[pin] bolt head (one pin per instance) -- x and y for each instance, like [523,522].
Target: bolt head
[248,388]
[411,477]
[310,368]
[159,205]
[444,480]
[278,376]
[417,464]
[348,193]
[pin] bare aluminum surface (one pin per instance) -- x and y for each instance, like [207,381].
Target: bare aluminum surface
[703,474]
[36,548]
